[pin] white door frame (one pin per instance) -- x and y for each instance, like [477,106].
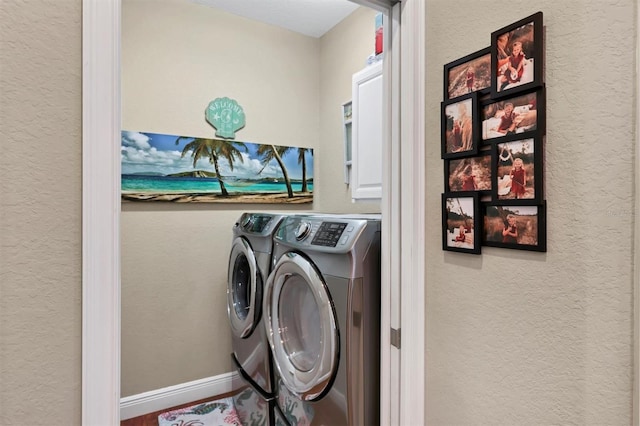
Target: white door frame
[636,248]
[101,212]
[404,206]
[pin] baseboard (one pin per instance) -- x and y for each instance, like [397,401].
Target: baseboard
[164,398]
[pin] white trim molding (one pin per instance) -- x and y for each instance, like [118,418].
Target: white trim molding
[390,207]
[636,248]
[413,207]
[172,396]
[100,212]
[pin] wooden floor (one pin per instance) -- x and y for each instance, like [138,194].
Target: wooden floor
[151,419]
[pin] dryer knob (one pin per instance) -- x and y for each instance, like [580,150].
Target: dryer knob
[303,230]
[246,221]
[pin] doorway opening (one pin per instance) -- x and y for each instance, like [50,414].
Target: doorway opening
[101,206]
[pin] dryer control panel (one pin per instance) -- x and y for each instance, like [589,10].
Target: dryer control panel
[330,234]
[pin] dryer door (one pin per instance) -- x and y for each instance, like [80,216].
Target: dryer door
[244,288]
[302,327]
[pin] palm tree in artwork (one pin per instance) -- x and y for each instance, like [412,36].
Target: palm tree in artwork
[213,150]
[302,160]
[271,152]
[282,150]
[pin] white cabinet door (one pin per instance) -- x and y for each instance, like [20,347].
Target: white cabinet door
[366,176]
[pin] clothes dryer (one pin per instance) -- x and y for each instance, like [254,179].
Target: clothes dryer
[322,316]
[249,267]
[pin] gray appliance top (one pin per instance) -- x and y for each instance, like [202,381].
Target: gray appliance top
[326,233]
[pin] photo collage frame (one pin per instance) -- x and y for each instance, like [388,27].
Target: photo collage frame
[493,126]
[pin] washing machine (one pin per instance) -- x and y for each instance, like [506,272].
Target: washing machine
[249,266]
[322,318]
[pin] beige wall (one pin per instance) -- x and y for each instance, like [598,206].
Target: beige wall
[542,338]
[40,212]
[512,337]
[176,57]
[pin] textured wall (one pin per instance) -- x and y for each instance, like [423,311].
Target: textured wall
[40,212]
[176,57]
[541,338]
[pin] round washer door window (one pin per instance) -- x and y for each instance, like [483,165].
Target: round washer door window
[244,287]
[302,327]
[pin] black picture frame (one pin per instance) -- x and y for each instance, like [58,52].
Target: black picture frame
[459,127]
[461,222]
[473,173]
[529,69]
[530,223]
[457,80]
[526,150]
[528,110]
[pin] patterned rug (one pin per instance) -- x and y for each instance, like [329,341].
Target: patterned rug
[221,412]
[245,408]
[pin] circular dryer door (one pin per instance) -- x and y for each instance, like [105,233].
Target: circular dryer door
[301,326]
[244,288]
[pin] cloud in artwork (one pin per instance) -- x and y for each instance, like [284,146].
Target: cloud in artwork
[149,153]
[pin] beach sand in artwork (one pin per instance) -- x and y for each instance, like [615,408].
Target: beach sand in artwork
[277,198]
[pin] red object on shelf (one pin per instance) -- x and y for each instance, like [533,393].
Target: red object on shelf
[379,32]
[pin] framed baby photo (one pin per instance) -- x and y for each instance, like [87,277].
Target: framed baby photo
[460,126]
[461,222]
[517,56]
[517,170]
[471,73]
[518,227]
[519,114]
[469,173]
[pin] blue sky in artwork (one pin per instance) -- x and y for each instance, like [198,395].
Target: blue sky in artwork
[156,153]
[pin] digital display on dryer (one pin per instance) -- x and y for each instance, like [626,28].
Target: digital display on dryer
[328,234]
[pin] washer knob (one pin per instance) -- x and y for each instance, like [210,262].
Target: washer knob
[303,229]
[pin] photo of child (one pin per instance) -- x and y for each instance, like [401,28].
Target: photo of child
[459,128]
[470,174]
[514,54]
[459,232]
[515,115]
[515,171]
[512,225]
[469,77]
[510,231]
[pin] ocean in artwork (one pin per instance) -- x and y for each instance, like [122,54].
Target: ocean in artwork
[162,167]
[166,184]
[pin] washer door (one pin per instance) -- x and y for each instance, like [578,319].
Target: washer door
[244,288]
[302,327]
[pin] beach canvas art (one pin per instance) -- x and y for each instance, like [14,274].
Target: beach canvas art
[161,167]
